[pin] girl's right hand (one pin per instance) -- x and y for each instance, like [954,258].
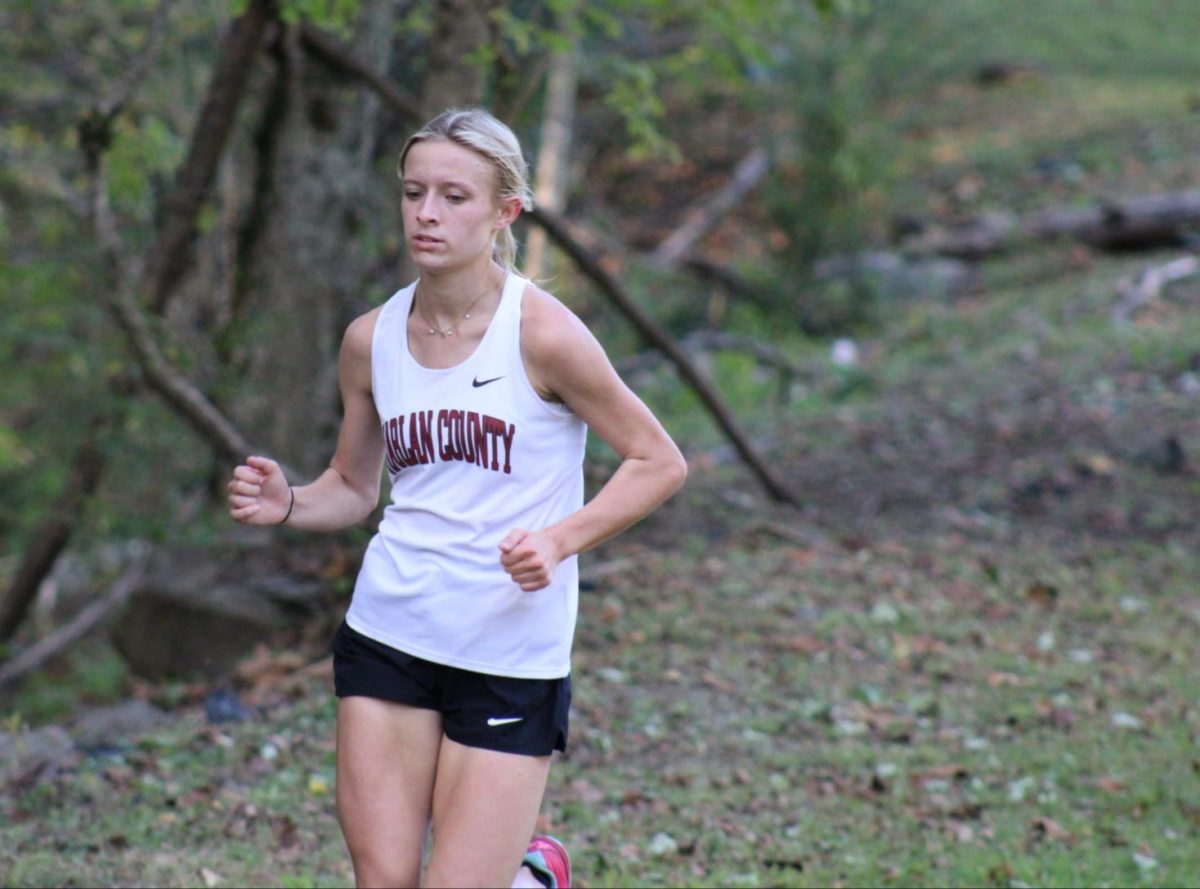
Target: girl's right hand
[258,493]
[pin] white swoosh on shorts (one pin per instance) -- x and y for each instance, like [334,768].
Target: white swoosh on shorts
[505,720]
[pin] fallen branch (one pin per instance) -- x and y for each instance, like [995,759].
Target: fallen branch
[1142,289]
[87,619]
[658,338]
[701,218]
[1136,223]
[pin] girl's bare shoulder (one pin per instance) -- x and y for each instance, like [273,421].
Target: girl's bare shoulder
[360,331]
[548,326]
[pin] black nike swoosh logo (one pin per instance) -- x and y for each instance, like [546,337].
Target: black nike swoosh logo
[478,382]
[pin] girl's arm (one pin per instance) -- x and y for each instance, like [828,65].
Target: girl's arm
[564,361]
[348,491]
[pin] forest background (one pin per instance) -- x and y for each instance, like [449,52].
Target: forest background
[915,286]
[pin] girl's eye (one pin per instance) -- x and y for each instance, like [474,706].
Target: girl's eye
[412,195]
[455,198]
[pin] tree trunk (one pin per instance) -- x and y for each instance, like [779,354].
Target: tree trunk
[171,253]
[52,536]
[554,153]
[301,276]
[458,64]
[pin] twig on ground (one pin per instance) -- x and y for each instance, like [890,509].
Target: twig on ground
[1138,291]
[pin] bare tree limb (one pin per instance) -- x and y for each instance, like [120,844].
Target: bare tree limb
[1139,290]
[333,52]
[169,256]
[192,405]
[87,619]
[659,338]
[197,410]
[702,217]
[87,468]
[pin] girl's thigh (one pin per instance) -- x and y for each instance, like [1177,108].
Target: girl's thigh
[485,809]
[387,756]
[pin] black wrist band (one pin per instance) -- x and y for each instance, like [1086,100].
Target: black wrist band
[290,505]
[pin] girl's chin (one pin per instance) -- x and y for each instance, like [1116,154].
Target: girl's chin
[427,261]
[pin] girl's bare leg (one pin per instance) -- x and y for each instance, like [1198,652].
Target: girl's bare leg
[485,809]
[387,760]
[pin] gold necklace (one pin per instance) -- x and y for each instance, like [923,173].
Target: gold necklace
[449,331]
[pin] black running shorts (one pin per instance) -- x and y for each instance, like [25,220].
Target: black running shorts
[525,716]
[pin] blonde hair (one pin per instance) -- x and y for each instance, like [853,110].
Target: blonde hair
[481,132]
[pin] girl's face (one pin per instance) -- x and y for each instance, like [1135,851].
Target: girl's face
[450,210]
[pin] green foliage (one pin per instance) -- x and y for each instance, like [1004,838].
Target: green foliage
[336,15]
[142,151]
[634,96]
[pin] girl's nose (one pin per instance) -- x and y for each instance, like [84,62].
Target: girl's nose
[426,210]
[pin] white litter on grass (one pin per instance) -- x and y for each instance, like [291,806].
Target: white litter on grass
[1121,719]
[1145,863]
[1019,789]
[611,674]
[844,352]
[662,844]
[750,881]
[1134,605]
[887,770]
[885,613]
[1046,641]
[1081,655]
[850,728]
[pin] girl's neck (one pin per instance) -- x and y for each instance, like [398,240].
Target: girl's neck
[452,293]
[451,308]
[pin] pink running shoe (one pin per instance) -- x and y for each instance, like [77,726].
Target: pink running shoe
[548,859]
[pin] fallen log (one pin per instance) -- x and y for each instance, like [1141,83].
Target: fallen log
[1139,223]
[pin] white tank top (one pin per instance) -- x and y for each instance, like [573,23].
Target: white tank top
[472,452]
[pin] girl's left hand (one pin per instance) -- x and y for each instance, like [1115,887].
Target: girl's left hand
[529,558]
